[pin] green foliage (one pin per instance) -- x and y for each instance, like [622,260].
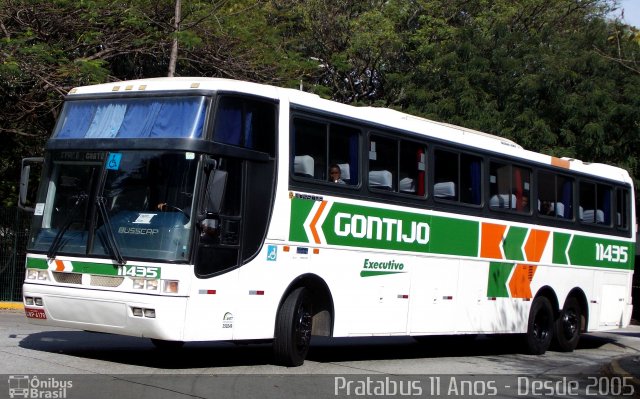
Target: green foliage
[558,77]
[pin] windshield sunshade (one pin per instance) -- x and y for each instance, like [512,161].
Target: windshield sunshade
[175,117]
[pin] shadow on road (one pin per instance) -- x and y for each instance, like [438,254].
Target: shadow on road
[141,352]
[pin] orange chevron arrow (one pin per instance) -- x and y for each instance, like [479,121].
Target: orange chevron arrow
[520,283]
[312,225]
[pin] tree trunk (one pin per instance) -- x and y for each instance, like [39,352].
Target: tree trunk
[173,59]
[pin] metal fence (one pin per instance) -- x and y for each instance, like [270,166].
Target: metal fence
[14,233]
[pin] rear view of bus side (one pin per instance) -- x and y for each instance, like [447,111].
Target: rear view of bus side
[198,209]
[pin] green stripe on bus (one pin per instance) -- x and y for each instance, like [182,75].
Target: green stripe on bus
[95,268]
[593,251]
[454,236]
[37,263]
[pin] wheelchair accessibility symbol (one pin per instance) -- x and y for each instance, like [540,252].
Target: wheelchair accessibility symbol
[272,253]
[113,161]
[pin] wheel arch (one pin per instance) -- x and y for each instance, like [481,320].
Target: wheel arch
[321,298]
[550,294]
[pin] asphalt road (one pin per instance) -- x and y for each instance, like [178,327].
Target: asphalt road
[62,363]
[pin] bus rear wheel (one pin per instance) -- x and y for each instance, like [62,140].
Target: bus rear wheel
[293,329]
[540,326]
[567,326]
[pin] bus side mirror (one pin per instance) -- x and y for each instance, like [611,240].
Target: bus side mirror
[27,197]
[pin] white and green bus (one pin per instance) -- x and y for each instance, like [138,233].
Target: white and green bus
[197,209]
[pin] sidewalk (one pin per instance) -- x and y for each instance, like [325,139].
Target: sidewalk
[11,305]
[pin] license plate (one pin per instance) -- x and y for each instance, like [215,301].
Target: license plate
[35,313]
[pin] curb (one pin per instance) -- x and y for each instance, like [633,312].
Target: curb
[12,305]
[614,368]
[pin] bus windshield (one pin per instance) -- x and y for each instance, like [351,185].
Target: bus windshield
[134,204]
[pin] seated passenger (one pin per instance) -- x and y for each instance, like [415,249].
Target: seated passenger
[335,174]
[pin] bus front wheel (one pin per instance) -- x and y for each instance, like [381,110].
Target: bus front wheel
[540,326]
[293,329]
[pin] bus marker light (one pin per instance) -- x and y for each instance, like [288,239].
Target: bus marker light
[403,296]
[286,248]
[207,292]
[259,292]
[170,286]
[447,297]
[316,251]
[493,298]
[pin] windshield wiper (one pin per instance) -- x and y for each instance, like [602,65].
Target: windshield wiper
[111,238]
[57,240]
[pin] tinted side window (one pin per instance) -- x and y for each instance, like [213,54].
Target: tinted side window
[555,195]
[457,177]
[509,187]
[397,165]
[321,146]
[247,123]
[383,163]
[622,208]
[595,203]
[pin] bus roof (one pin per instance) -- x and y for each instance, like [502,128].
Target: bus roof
[374,115]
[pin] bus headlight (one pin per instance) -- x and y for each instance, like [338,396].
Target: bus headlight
[152,285]
[37,274]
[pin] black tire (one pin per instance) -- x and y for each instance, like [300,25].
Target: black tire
[540,326]
[566,333]
[167,345]
[293,329]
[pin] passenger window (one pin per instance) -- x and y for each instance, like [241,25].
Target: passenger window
[246,123]
[510,187]
[555,196]
[457,177]
[397,165]
[595,203]
[383,161]
[412,168]
[320,147]
[622,208]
